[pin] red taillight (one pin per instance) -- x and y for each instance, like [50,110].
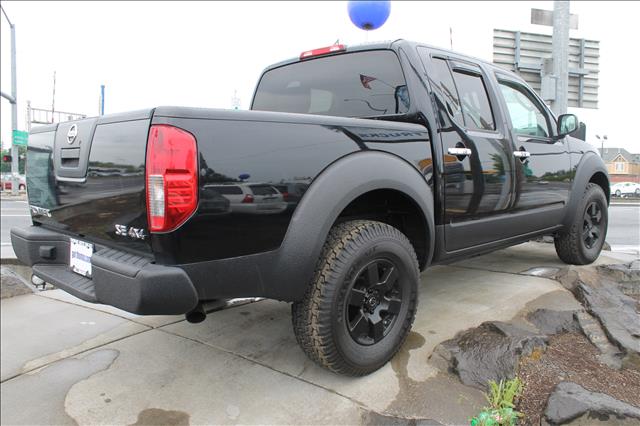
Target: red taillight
[172,177]
[247,199]
[323,51]
[285,196]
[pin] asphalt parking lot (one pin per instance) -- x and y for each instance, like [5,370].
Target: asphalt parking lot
[65,361]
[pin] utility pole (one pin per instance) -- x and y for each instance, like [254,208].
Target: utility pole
[560,53]
[13,99]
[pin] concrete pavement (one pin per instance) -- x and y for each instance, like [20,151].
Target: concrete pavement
[66,361]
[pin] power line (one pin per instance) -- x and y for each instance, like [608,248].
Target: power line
[5,15]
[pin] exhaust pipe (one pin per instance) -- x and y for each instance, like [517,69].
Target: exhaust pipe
[197,315]
[38,282]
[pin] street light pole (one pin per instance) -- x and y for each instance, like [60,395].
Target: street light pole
[13,99]
[601,139]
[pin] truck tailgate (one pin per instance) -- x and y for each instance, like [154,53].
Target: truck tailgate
[85,177]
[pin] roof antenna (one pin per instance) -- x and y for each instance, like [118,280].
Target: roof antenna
[451,37]
[337,42]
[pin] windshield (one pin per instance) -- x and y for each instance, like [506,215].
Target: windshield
[360,84]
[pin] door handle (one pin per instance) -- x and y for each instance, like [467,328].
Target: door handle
[521,154]
[459,152]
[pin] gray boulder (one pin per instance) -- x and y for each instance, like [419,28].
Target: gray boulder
[570,401]
[550,321]
[615,311]
[490,351]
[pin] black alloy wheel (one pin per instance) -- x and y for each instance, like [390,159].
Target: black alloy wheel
[374,301]
[593,224]
[581,241]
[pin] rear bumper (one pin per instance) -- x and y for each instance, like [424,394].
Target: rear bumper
[121,279]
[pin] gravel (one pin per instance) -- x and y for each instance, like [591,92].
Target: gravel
[571,357]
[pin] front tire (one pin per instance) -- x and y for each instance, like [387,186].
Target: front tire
[582,243]
[361,304]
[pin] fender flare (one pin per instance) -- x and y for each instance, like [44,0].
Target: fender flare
[334,188]
[589,165]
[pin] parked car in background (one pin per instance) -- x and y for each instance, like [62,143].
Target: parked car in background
[622,189]
[292,192]
[212,202]
[7,184]
[5,178]
[254,198]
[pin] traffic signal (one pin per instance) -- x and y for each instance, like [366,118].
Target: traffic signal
[6,158]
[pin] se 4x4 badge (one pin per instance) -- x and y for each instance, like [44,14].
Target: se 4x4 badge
[132,232]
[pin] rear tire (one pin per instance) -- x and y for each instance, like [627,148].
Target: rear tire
[361,304]
[582,242]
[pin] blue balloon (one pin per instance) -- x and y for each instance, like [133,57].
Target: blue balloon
[369,15]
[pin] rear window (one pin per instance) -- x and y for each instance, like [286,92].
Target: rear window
[263,189]
[360,84]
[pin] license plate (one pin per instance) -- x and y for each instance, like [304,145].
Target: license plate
[80,257]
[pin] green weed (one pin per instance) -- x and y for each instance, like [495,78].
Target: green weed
[501,410]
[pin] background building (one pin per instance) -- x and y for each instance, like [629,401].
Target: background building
[622,165]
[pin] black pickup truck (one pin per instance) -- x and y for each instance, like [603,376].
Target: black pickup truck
[356,168]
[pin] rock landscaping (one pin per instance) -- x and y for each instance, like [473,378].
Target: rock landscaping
[579,365]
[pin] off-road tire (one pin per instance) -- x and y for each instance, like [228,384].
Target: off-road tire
[319,320]
[569,243]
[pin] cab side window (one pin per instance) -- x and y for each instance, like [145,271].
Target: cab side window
[527,117]
[476,108]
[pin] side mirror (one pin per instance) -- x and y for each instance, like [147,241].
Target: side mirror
[567,123]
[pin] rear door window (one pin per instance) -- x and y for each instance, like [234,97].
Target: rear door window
[359,84]
[476,108]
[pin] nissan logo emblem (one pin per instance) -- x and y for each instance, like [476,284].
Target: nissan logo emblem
[72,133]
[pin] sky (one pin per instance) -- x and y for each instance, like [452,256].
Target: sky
[200,54]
